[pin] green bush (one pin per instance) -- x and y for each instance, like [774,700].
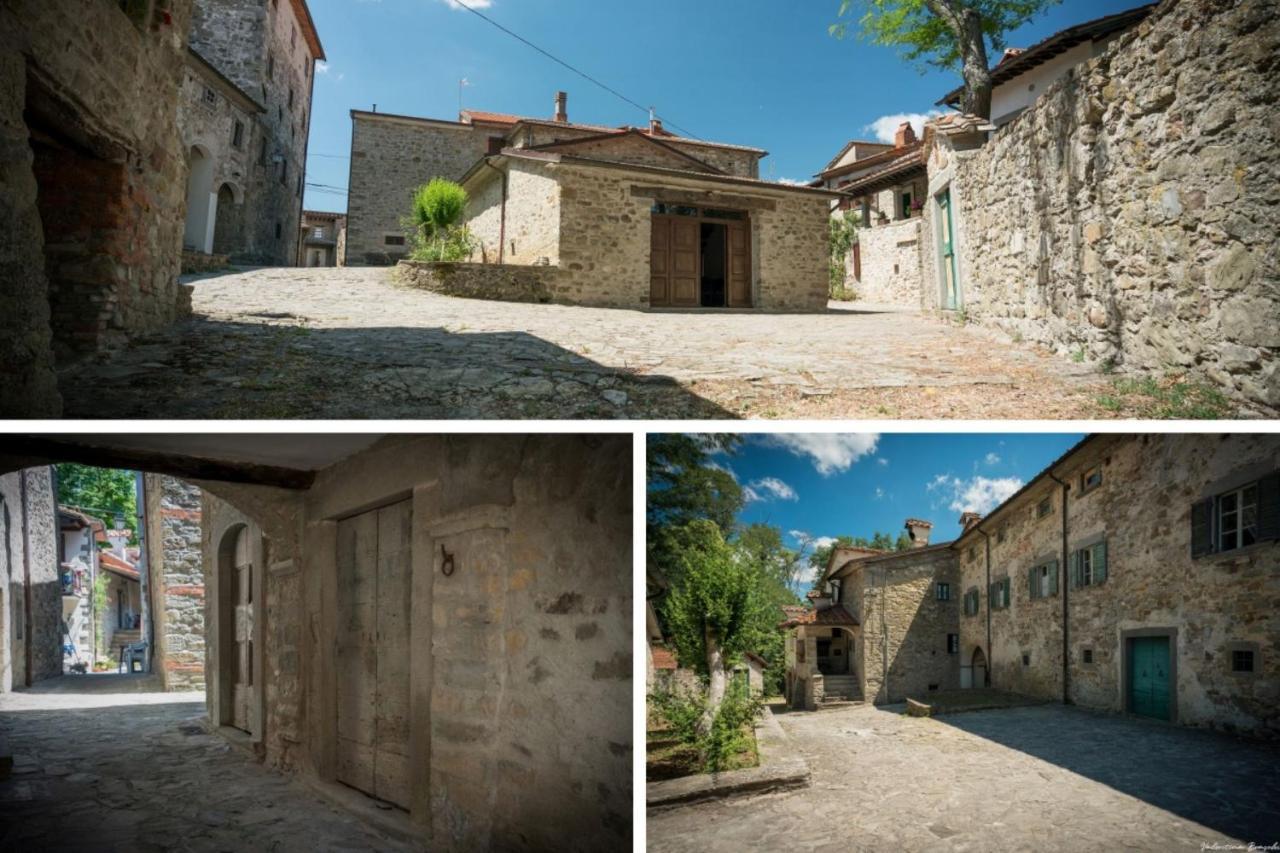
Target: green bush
[434,221]
[683,709]
[455,244]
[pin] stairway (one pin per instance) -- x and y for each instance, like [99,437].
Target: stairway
[840,691]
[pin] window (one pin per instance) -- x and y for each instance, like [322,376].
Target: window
[271,67]
[1026,659]
[1042,580]
[943,591]
[237,134]
[1044,507]
[1089,565]
[1086,655]
[1091,479]
[393,240]
[970,553]
[1242,660]
[290,97]
[317,233]
[1237,519]
[953,644]
[278,230]
[279,115]
[971,602]
[905,201]
[1002,534]
[209,96]
[999,594]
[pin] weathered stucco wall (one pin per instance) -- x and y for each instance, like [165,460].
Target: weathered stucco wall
[890,261]
[1142,509]
[175,566]
[28,546]
[92,207]
[1130,214]
[519,659]
[390,157]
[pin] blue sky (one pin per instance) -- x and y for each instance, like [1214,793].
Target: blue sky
[754,72]
[826,485]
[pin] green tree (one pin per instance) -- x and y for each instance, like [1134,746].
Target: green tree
[879,540]
[945,34]
[717,607]
[101,492]
[761,549]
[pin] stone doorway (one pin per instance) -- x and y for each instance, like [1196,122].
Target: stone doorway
[238,647]
[202,202]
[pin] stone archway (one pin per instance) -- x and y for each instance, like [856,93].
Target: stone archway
[202,201]
[978,667]
[228,229]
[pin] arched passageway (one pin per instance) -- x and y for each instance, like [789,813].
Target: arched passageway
[202,202]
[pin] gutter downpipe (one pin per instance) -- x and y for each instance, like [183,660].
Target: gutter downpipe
[502,217]
[990,656]
[1066,586]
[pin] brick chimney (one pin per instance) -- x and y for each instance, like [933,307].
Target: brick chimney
[918,530]
[562,107]
[904,135]
[969,519]
[819,598]
[655,127]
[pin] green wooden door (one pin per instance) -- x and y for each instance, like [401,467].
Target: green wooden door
[950,284]
[1149,677]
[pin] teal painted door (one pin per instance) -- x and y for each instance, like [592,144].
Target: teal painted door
[950,284]
[1149,677]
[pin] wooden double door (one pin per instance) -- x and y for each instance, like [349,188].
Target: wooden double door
[374,568]
[699,262]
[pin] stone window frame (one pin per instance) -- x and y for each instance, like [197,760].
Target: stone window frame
[1086,544]
[942,591]
[1255,649]
[1040,562]
[1005,600]
[237,134]
[1026,658]
[1044,507]
[1085,488]
[977,601]
[1002,533]
[1086,656]
[209,97]
[1239,479]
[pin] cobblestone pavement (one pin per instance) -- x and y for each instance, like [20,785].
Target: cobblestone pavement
[351,343]
[1038,778]
[99,765]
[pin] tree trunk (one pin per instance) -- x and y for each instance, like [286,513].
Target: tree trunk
[966,25]
[716,686]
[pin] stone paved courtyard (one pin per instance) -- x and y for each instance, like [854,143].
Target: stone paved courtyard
[100,763]
[1037,778]
[351,343]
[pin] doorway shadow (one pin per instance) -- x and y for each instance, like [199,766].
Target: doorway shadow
[1225,783]
[210,369]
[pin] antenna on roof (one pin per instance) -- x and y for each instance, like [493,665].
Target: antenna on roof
[375,108]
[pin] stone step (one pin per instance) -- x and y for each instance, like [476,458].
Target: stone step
[837,704]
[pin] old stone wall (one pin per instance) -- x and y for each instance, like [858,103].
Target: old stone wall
[390,157]
[509,282]
[29,551]
[1142,510]
[176,570]
[732,161]
[903,638]
[790,251]
[95,185]
[1129,215]
[890,261]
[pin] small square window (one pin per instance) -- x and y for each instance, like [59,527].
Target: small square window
[237,134]
[1086,655]
[271,67]
[1242,660]
[1091,479]
[1002,533]
[209,96]
[953,644]
[393,240]
[1044,507]
[943,591]
[1026,660]
[278,230]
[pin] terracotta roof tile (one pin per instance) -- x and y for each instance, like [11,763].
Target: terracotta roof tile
[115,565]
[836,614]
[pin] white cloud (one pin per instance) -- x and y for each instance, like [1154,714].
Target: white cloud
[322,67]
[793,182]
[882,461]
[992,458]
[750,495]
[886,126]
[725,468]
[830,452]
[879,493]
[977,494]
[824,541]
[771,487]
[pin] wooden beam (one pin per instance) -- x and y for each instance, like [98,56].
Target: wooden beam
[23,451]
[703,198]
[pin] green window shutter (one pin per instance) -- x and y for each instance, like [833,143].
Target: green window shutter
[1053,578]
[1007,584]
[1075,569]
[1100,562]
[1269,507]
[1202,528]
[1031,584]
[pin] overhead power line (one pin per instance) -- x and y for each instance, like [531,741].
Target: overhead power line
[584,75]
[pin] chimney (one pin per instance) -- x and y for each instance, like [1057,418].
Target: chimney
[918,530]
[968,520]
[820,599]
[562,111]
[904,136]
[655,127]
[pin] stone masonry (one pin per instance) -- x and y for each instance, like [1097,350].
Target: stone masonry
[482,281]
[1141,513]
[176,571]
[94,179]
[890,261]
[30,588]
[1130,214]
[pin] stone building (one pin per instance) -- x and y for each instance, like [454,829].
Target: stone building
[175,567]
[245,115]
[120,623]
[1136,574]
[1127,216]
[884,626]
[322,239]
[30,586]
[568,212]
[94,173]
[420,626]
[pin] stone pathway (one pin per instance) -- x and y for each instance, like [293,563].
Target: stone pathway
[351,343]
[100,764]
[1038,778]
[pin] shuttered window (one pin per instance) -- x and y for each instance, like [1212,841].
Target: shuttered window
[971,602]
[1237,519]
[1042,580]
[1089,565]
[999,594]
[943,591]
